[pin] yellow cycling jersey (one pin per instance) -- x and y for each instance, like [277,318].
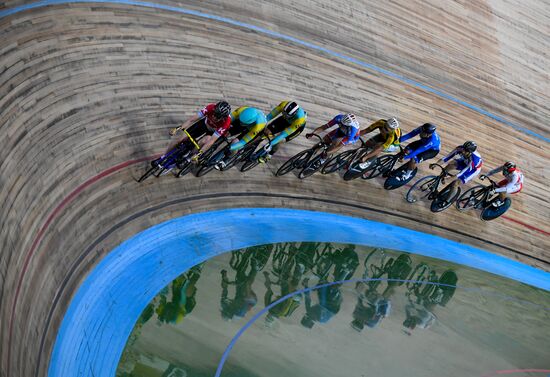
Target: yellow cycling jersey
[298,120]
[391,139]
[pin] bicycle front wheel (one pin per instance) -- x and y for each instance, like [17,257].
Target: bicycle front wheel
[381,165]
[148,173]
[293,163]
[421,189]
[314,165]
[471,198]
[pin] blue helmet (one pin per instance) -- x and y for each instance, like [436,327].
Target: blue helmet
[248,116]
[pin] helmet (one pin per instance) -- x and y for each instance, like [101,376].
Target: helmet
[248,116]
[349,119]
[508,168]
[392,123]
[222,110]
[469,146]
[290,109]
[428,128]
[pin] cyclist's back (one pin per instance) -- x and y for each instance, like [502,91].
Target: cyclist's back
[248,120]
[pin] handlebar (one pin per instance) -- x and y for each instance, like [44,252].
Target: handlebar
[443,170]
[493,183]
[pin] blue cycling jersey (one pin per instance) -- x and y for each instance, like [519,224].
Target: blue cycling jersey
[351,131]
[432,142]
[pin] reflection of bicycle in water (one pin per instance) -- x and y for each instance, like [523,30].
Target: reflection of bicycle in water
[182,295]
[246,263]
[428,288]
[345,262]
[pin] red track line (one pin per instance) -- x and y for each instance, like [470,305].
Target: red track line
[73,195]
[40,235]
[526,225]
[511,371]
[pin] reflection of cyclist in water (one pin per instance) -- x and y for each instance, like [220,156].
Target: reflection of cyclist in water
[345,262]
[289,273]
[247,264]
[371,308]
[182,300]
[418,316]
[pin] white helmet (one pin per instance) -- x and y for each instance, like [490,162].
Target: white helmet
[349,120]
[392,123]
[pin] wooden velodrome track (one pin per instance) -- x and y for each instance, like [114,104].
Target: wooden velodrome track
[88,92]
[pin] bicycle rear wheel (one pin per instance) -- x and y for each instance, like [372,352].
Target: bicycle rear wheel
[294,162]
[421,189]
[471,198]
[491,213]
[337,162]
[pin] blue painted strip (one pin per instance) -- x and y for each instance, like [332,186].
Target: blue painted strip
[39,4]
[103,311]
[255,317]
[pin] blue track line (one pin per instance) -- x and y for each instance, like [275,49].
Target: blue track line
[39,4]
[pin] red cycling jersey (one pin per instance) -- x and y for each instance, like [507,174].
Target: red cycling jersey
[221,126]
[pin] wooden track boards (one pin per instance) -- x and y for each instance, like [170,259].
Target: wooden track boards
[86,87]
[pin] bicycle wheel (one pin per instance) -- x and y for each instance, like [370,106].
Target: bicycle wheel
[472,198]
[490,213]
[311,167]
[294,162]
[185,167]
[380,166]
[148,173]
[249,165]
[395,181]
[355,171]
[421,189]
[337,162]
[450,279]
[444,199]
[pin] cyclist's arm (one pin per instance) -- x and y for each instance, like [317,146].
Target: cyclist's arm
[449,156]
[276,110]
[188,122]
[495,170]
[410,135]
[372,127]
[425,147]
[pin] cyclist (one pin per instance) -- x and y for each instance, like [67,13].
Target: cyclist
[244,119]
[288,120]
[511,184]
[346,133]
[466,159]
[426,147]
[212,120]
[386,141]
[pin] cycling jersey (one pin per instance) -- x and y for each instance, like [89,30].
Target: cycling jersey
[349,133]
[391,139]
[420,146]
[469,167]
[286,127]
[253,129]
[220,126]
[511,184]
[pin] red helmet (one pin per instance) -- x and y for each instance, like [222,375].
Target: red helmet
[508,168]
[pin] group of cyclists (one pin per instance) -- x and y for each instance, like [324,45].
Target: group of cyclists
[288,120]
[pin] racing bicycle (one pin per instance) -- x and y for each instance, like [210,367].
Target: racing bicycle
[428,188]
